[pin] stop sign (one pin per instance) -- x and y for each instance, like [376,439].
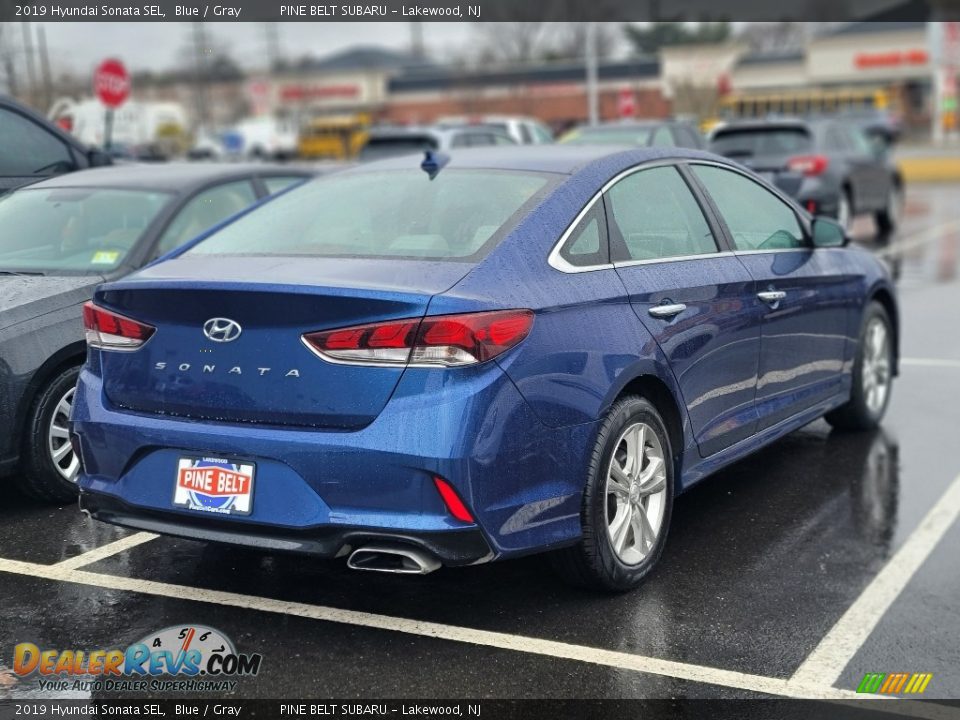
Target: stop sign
[626,103]
[111,83]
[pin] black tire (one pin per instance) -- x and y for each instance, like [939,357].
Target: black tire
[593,562]
[38,476]
[888,218]
[856,414]
[846,198]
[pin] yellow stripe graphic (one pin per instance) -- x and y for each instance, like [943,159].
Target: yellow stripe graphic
[926,681]
[913,683]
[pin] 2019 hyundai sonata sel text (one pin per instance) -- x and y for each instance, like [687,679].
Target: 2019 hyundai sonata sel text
[504,352]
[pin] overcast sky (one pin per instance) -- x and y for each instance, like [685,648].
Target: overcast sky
[157,46]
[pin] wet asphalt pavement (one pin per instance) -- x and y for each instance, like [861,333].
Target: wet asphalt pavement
[763,561]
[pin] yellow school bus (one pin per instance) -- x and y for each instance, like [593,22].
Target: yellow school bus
[335,137]
[801,102]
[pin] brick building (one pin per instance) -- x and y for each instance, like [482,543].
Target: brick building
[554,93]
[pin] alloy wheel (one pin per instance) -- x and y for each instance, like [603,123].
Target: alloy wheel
[64,459]
[636,492]
[876,365]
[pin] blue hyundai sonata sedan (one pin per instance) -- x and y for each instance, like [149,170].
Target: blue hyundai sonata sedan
[444,362]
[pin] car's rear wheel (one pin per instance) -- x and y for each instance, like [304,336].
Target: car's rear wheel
[889,218]
[627,501]
[50,466]
[872,374]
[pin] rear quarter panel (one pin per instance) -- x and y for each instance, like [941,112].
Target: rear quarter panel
[586,343]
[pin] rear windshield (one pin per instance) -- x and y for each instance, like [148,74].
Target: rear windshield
[760,141]
[387,147]
[459,215]
[69,231]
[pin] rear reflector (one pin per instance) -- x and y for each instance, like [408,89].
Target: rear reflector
[109,331]
[453,502]
[809,165]
[442,340]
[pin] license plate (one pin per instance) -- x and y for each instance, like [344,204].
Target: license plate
[214,485]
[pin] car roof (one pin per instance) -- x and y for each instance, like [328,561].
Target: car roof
[560,159]
[9,103]
[166,177]
[625,126]
[431,131]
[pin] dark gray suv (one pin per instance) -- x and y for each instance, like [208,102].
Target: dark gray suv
[827,164]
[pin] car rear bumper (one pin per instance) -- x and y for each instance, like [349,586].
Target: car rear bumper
[314,488]
[455,547]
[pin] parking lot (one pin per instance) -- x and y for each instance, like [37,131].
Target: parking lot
[793,573]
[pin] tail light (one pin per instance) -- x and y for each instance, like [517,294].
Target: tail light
[453,502]
[809,165]
[108,331]
[442,340]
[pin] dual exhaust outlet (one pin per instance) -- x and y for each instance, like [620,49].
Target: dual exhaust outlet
[393,559]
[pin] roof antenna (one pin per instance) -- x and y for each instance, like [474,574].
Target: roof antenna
[433,162]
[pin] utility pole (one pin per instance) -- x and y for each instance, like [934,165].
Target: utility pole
[6,59]
[416,40]
[944,42]
[271,32]
[593,114]
[28,53]
[199,40]
[45,68]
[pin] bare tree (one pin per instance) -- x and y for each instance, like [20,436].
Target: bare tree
[7,64]
[525,42]
[570,39]
[516,42]
[774,37]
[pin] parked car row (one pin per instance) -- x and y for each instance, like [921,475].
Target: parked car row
[64,236]
[453,355]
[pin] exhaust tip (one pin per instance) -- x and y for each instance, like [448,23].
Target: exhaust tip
[393,559]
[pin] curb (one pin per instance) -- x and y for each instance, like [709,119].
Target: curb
[930,169]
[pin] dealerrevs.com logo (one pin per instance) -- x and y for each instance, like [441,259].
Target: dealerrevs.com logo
[196,657]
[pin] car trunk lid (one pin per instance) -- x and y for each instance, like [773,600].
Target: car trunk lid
[265,374]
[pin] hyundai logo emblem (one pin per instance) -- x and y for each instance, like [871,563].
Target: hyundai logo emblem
[222,329]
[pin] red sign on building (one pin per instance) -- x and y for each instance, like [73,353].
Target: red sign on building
[626,103]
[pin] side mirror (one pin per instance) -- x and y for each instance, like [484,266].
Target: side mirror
[827,232]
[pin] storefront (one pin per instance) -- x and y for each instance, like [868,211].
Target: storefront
[884,65]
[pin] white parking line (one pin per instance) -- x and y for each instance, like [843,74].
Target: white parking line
[931,362]
[918,238]
[105,551]
[791,688]
[808,685]
[472,636]
[828,660]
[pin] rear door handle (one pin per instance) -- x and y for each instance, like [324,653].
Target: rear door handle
[771,297]
[667,311]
